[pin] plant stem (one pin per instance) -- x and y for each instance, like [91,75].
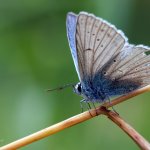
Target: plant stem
[137,138]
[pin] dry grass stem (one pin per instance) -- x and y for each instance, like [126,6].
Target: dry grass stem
[137,138]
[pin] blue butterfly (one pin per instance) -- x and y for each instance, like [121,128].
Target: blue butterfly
[106,64]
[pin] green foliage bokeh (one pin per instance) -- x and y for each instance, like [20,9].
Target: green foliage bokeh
[35,56]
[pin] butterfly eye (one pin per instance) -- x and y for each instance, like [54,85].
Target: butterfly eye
[78,88]
[104,72]
[114,60]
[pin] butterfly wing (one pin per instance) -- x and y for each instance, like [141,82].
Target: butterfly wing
[134,64]
[97,41]
[98,48]
[71,31]
[129,71]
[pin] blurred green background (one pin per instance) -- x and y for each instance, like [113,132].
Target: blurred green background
[34,56]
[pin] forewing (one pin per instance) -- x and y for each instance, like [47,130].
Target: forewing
[71,31]
[98,47]
[97,41]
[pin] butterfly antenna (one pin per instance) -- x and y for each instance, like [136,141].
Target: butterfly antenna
[62,87]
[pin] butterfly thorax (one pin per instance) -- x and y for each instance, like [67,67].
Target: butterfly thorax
[92,89]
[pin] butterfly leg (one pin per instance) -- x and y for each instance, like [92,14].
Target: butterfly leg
[112,106]
[87,105]
[90,107]
[81,105]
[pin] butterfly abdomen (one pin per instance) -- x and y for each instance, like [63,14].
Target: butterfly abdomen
[95,89]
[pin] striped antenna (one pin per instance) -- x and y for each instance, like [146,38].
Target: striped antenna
[62,87]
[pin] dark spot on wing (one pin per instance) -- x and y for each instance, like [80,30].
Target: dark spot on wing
[88,49]
[108,34]
[104,72]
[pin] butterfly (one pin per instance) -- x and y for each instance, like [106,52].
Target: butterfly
[106,64]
